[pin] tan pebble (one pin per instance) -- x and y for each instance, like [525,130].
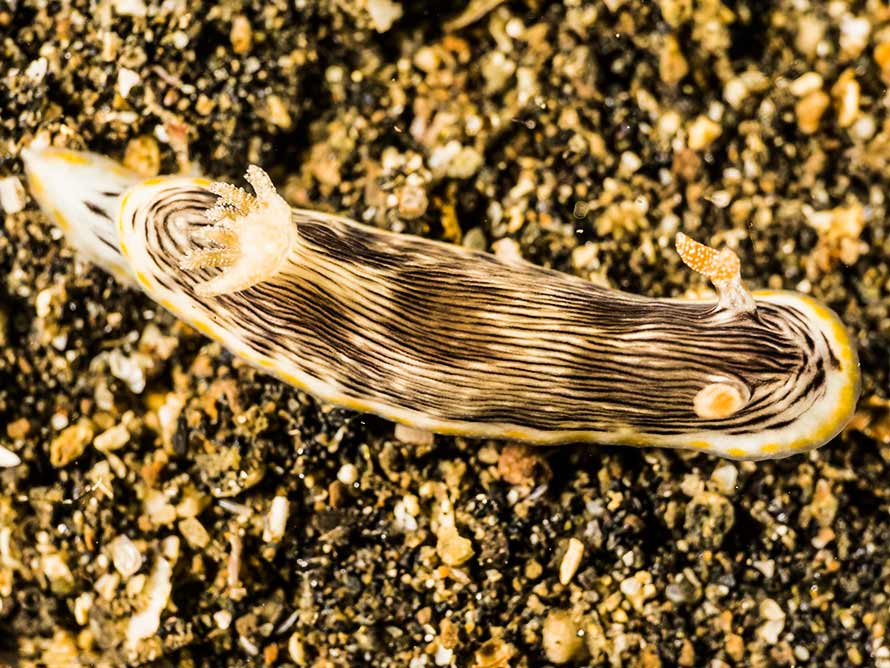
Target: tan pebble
[18,429]
[57,572]
[846,98]
[823,508]
[82,606]
[158,509]
[735,647]
[427,59]
[570,561]
[596,641]
[854,36]
[452,548]
[724,478]
[143,156]
[125,556]
[126,80]
[383,13]
[519,464]
[107,584]
[194,532]
[348,474]
[507,249]
[809,111]
[810,31]
[276,112]
[112,439]
[223,619]
[465,163]
[70,444]
[413,202]
[296,650]
[12,194]
[130,7]
[204,105]
[560,638]
[775,621]
[638,589]
[276,518]
[675,12]
[170,548]
[61,651]
[672,65]
[413,436]
[241,34]
[629,164]
[702,133]
[806,84]
[823,538]
[882,58]
[687,654]
[735,92]
[494,653]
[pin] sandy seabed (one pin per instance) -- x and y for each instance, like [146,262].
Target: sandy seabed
[579,135]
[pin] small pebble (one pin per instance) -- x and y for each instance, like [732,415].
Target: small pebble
[703,132]
[809,111]
[413,202]
[413,436]
[223,619]
[775,621]
[126,80]
[465,163]
[145,623]
[12,194]
[806,84]
[672,65]
[276,519]
[112,439]
[571,560]
[854,36]
[143,156]
[348,474]
[57,572]
[8,458]
[130,7]
[125,556]
[194,533]
[846,98]
[453,549]
[560,638]
[70,444]
[724,478]
[241,34]
[383,13]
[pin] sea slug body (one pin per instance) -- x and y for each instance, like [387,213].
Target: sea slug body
[455,341]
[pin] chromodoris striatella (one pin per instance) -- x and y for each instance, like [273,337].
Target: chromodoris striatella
[455,341]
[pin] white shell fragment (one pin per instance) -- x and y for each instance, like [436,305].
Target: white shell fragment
[8,458]
[146,622]
[12,194]
[276,520]
[126,556]
[570,561]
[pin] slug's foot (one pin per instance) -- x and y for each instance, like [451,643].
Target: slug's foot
[249,238]
[723,268]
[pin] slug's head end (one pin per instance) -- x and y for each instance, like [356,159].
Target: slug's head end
[722,267]
[248,237]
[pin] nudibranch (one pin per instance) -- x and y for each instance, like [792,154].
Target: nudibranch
[455,341]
